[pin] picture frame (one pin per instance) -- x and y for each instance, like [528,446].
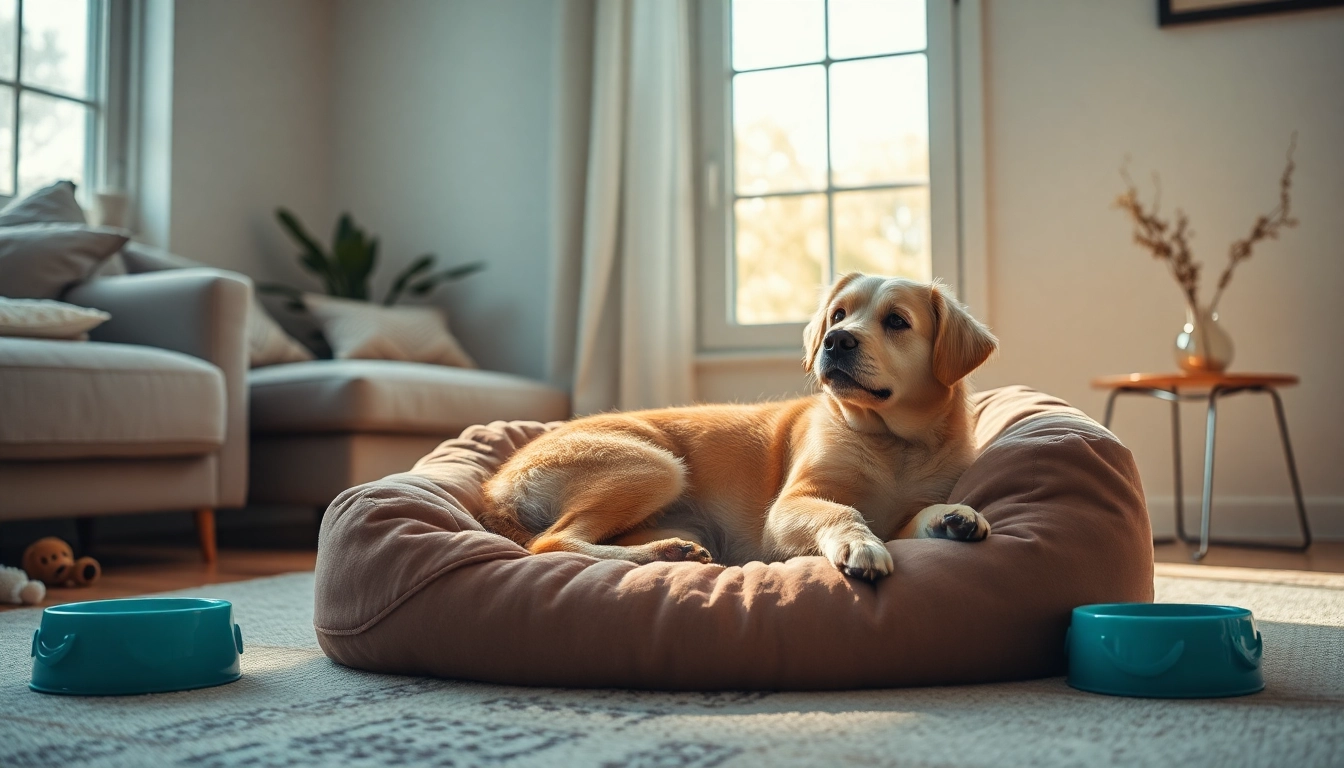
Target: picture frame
[1173,12]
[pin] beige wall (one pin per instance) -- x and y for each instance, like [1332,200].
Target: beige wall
[1072,88]
[442,126]
[244,118]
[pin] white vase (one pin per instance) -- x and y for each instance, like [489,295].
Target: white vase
[1203,346]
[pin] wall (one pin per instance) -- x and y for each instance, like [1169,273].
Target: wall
[248,129]
[1072,88]
[152,170]
[442,131]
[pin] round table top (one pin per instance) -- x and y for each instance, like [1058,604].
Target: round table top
[1177,381]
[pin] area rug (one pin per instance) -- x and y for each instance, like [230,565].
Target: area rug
[294,707]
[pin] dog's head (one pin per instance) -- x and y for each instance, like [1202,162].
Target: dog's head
[884,344]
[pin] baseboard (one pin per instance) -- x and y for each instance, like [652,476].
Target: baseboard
[1271,518]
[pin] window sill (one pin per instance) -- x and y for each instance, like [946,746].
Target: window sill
[722,359]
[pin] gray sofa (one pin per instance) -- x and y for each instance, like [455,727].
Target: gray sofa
[319,427]
[323,426]
[149,415]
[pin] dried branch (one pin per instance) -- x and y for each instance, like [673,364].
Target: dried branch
[1266,227]
[1170,244]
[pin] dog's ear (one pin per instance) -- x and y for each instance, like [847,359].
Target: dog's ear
[960,342]
[816,327]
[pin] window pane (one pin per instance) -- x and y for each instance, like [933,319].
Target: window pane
[782,254]
[884,232]
[880,121]
[6,140]
[779,126]
[868,27]
[51,140]
[768,33]
[8,37]
[56,45]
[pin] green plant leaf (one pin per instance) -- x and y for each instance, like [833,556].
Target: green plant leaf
[318,265]
[353,262]
[345,225]
[461,271]
[295,229]
[399,285]
[430,282]
[372,260]
[312,258]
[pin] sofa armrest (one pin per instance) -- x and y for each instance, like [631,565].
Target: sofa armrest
[199,312]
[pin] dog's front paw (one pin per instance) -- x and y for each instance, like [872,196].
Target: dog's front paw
[955,521]
[861,557]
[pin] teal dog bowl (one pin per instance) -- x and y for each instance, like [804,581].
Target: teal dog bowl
[143,645]
[1164,650]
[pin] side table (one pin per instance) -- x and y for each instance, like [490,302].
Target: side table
[1176,388]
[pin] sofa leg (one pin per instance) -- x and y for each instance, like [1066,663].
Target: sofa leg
[84,534]
[205,533]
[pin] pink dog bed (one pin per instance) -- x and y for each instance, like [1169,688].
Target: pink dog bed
[409,583]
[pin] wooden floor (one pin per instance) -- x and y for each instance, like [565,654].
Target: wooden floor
[141,569]
[138,569]
[1325,556]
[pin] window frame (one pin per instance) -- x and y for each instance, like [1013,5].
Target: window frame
[717,331]
[105,134]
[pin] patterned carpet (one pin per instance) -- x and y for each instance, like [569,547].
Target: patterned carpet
[293,707]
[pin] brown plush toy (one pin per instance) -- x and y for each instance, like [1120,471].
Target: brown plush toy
[52,562]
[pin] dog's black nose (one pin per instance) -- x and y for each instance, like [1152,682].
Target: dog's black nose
[839,339]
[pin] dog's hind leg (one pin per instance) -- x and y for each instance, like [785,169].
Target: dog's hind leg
[576,490]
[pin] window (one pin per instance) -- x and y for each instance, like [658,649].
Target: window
[816,125]
[53,93]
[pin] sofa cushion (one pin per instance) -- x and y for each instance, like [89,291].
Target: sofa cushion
[408,582]
[54,203]
[363,330]
[78,400]
[41,261]
[393,397]
[47,319]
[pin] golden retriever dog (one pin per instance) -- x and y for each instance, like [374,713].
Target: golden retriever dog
[871,457]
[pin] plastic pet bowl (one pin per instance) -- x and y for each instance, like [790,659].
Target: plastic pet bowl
[1164,650]
[143,645]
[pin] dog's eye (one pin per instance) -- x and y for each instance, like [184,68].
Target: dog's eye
[895,322]
[837,315]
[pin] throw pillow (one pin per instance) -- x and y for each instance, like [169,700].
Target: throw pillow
[46,319]
[267,342]
[40,261]
[53,204]
[359,330]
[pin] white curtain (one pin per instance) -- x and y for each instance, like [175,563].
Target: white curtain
[632,309]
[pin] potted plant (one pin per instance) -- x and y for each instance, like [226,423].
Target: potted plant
[345,269]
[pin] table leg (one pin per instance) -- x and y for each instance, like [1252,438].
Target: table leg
[1110,407]
[1178,477]
[1292,468]
[1209,440]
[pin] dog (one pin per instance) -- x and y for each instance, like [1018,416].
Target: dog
[870,457]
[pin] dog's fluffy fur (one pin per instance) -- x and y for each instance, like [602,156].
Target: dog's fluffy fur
[869,458]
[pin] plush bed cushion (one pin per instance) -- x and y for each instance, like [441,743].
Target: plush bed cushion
[409,583]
